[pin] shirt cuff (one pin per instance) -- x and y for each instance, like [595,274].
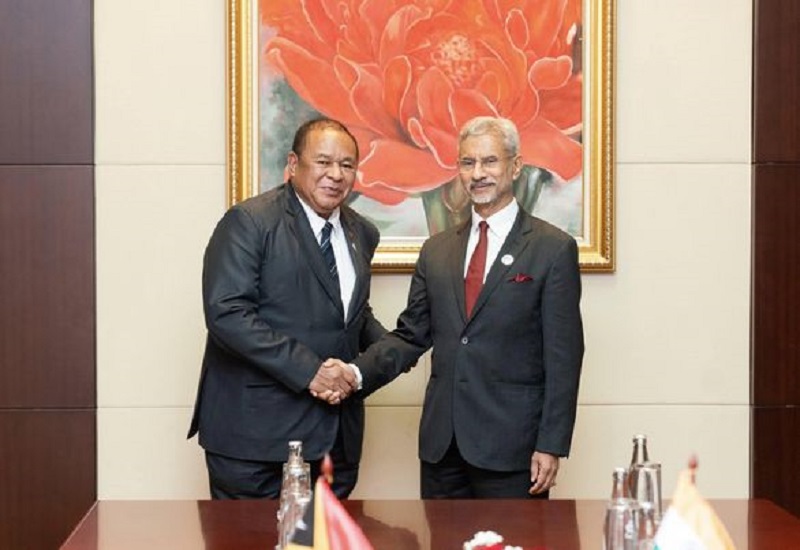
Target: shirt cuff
[359,378]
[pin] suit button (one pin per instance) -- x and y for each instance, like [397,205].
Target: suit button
[465,340]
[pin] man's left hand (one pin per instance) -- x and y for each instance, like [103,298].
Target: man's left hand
[544,468]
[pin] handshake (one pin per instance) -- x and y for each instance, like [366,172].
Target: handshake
[335,380]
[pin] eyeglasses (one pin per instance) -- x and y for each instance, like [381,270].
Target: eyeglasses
[489,164]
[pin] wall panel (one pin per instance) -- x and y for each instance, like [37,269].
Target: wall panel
[46,82]
[47,477]
[47,287]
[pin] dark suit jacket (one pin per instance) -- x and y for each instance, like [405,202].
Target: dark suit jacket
[504,381]
[273,314]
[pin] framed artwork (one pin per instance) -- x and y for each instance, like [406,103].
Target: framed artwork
[404,75]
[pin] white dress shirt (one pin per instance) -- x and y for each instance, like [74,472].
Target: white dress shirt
[500,224]
[344,263]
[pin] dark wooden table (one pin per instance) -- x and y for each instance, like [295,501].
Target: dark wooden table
[400,524]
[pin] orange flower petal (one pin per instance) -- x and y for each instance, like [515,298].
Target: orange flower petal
[433,90]
[400,166]
[381,193]
[563,107]
[306,74]
[467,104]
[291,20]
[393,38]
[494,82]
[545,18]
[415,132]
[442,143]
[517,29]
[542,144]
[320,22]
[516,68]
[346,71]
[550,73]
[525,107]
[396,84]
[366,100]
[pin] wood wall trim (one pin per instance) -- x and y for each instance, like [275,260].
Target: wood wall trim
[775,341]
[47,327]
[776,81]
[776,285]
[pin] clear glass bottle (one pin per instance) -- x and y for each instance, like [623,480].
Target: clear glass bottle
[644,478]
[295,493]
[295,470]
[639,455]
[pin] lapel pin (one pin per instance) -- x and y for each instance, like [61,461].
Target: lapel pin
[508,259]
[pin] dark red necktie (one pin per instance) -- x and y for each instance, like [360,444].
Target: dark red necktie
[477,265]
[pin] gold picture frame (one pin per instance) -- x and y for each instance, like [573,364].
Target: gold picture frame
[399,254]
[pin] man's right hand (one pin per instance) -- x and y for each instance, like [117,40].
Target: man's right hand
[334,381]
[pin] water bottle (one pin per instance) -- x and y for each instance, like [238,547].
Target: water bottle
[294,465]
[644,479]
[639,455]
[295,472]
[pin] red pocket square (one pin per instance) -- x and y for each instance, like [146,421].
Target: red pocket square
[520,278]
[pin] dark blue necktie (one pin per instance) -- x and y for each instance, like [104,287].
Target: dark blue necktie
[327,251]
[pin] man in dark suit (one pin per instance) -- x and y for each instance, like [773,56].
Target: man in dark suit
[499,303]
[286,281]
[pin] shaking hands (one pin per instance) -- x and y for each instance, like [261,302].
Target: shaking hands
[335,380]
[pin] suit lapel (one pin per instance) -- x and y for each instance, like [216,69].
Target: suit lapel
[455,265]
[301,228]
[513,246]
[360,265]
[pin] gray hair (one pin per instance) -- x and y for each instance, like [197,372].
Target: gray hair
[501,127]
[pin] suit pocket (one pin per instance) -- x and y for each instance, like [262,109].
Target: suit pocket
[269,384]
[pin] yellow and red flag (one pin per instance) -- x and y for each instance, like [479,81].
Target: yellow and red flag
[326,525]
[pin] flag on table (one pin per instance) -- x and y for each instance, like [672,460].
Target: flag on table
[690,523]
[326,525]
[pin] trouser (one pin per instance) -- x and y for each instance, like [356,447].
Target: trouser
[454,477]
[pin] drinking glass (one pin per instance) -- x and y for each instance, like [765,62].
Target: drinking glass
[622,525]
[645,486]
[647,527]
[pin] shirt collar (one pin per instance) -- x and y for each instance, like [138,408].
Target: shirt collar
[499,222]
[318,222]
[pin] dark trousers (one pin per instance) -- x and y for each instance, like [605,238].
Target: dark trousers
[233,478]
[454,477]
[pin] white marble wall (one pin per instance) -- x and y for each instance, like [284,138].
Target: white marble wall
[667,334]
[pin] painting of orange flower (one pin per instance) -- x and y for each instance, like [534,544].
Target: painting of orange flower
[404,76]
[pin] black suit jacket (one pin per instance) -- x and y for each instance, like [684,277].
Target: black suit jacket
[273,314]
[504,381]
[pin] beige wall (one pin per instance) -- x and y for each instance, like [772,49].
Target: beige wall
[667,335]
